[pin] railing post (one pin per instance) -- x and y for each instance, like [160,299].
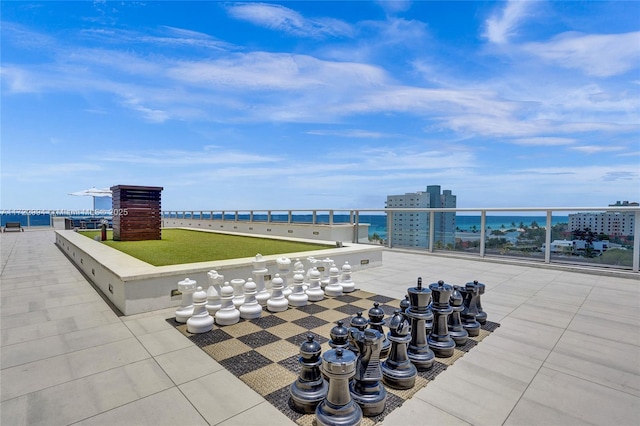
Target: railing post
[290,218]
[432,230]
[222,216]
[356,226]
[636,241]
[268,216]
[547,239]
[251,216]
[483,226]
[314,217]
[330,217]
[389,228]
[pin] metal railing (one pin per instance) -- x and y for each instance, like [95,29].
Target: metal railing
[422,222]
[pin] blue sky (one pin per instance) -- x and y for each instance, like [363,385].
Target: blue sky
[301,105]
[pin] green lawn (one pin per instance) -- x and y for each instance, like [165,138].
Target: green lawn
[181,246]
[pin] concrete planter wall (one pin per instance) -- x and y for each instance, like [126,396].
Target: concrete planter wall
[134,286]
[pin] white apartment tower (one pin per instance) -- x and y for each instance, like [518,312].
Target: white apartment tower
[411,229]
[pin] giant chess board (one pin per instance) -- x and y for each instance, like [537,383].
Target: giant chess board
[264,352]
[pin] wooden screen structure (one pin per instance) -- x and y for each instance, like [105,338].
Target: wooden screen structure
[136,213]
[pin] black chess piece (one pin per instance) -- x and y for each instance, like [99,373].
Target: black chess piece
[456,330]
[357,323]
[481,316]
[440,342]
[397,370]
[419,352]
[376,321]
[404,303]
[366,387]
[310,388]
[339,336]
[338,408]
[470,293]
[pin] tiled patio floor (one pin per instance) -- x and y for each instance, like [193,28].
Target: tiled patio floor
[567,351]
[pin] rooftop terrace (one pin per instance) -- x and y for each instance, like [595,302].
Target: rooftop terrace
[567,350]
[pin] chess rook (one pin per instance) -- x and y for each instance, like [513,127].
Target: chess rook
[187,287]
[238,291]
[440,342]
[419,352]
[338,408]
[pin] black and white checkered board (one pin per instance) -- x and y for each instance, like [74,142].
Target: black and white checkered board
[264,352]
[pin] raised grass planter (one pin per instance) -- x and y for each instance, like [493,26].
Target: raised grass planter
[134,286]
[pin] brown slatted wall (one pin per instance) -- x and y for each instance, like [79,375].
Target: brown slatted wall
[137,213]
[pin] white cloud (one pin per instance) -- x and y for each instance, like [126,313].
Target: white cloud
[600,55]
[594,149]
[544,141]
[286,20]
[503,26]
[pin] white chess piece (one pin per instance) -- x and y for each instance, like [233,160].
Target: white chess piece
[228,314]
[238,291]
[277,302]
[333,287]
[186,287]
[315,291]
[346,282]
[213,293]
[250,309]
[298,297]
[259,271]
[200,321]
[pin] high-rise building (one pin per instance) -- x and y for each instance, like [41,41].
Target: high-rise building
[411,229]
[614,224]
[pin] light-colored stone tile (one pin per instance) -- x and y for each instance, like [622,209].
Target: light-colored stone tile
[164,341]
[257,416]
[561,399]
[187,364]
[145,325]
[34,350]
[606,362]
[529,332]
[415,411]
[41,374]
[606,325]
[220,396]
[169,407]
[79,399]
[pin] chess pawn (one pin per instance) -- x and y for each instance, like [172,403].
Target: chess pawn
[238,291]
[397,370]
[366,389]
[440,342]
[456,330]
[250,309]
[376,321]
[277,302]
[404,304]
[259,271]
[213,293]
[184,312]
[310,388]
[481,316]
[314,291]
[346,282]
[357,323]
[339,336]
[200,321]
[227,314]
[313,263]
[326,266]
[470,293]
[419,352]
[333,287]
[338,408]
[283,264]
[298,297]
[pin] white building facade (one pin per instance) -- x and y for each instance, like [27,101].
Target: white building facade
[411,229]
[615,224]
